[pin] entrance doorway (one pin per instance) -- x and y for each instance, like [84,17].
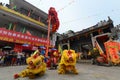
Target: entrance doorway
[85,48]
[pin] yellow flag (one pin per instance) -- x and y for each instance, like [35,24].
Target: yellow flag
[59,49]
[36,52]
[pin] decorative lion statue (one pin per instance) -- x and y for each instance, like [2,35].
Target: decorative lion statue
[68,62]
[36,66]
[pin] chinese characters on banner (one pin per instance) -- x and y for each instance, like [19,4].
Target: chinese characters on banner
[17,37]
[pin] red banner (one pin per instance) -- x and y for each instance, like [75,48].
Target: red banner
[112,49]
[17,37]
[18,48]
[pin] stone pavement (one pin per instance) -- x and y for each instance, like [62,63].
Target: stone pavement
[86,72]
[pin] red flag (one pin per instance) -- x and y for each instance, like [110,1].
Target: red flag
[28,33]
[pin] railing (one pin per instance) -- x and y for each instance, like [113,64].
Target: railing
[21,15]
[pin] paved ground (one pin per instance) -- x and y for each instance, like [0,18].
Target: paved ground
[86,72]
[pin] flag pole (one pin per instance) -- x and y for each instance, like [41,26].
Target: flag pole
[48,36]
[52,20]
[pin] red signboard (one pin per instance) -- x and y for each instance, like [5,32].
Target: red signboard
[112,50]
[17,37]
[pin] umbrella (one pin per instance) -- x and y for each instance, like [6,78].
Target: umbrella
[54,49]
[26,45]
[42,47]
[7,47]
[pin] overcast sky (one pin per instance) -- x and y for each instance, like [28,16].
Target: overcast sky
[80,14]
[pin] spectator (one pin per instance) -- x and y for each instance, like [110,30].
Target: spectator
[1,3]
[14,58]
[1,53]
[19,55]
[6,59]
[23,59]
[2,60]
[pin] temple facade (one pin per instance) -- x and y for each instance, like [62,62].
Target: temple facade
[81,41]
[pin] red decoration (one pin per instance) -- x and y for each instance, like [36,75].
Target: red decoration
[17,48]
[28,33]
[16,76]
[17,37]
[54,19]
[69,52]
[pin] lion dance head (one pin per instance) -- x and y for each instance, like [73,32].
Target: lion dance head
[68,62]
[36,66]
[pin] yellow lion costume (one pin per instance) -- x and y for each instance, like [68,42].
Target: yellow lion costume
[36,66]
[68,62]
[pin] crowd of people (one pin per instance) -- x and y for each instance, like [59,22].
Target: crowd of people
[11,58]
